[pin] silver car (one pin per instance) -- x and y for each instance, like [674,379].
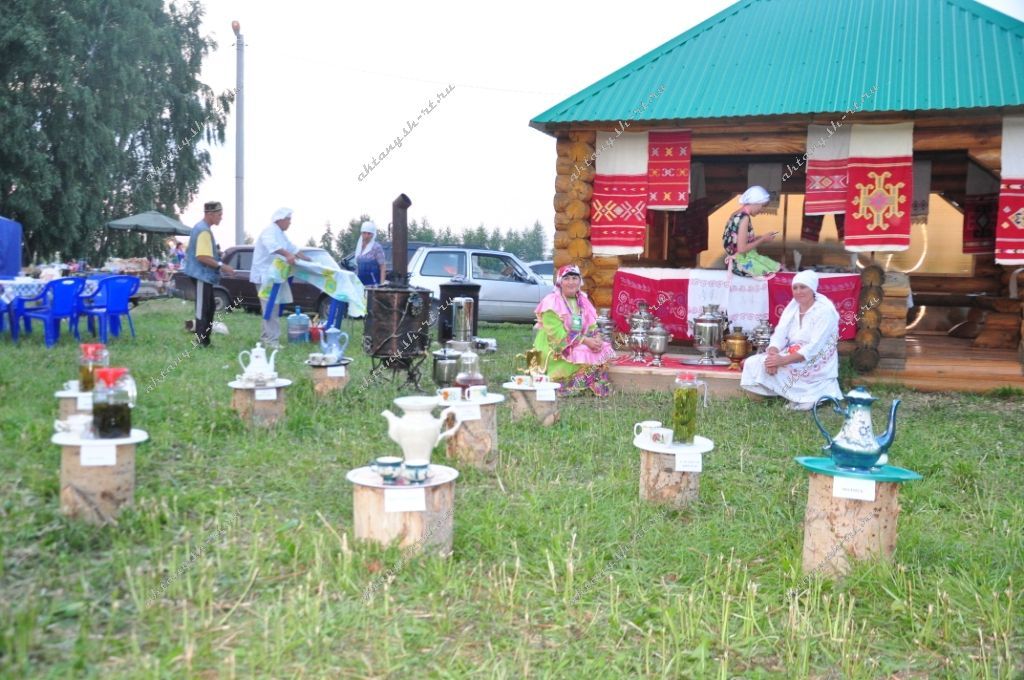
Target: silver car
[509,291]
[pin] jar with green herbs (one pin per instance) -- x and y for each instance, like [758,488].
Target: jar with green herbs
[685,399]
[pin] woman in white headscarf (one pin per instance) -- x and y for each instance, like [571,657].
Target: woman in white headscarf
[802,361]
[371,263]
[740,241]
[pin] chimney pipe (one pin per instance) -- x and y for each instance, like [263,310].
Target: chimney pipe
[399,275]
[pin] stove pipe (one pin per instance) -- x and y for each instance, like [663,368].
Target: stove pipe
[399,274]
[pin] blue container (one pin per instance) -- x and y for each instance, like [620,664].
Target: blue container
[298,327]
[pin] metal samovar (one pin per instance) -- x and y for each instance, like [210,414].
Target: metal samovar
[736,347]
[707,331]
[657,343]
[761,337]
[640,323]
[605,324]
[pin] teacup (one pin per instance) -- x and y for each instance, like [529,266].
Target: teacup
[450,393]
[645,428]
[71,386]
[77,424]
[387,467]
[662,436]
[523,380]
[316,358]
[476,392]
[416,469]
[540,379]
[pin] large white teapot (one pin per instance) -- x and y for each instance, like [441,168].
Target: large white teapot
[417,432]
[258,368]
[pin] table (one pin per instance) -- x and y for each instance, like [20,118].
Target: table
[257,405]
[524,402]
[677,295]
[97,476]
[670,474]
[476,440]
[27,287]
[850,515]
[329,378]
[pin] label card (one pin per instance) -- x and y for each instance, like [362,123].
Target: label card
[405,500]
[335,371]
[267,394]
[84,401]
[545,394]
[688,461]
[857,489]
[94,455]
[467,412]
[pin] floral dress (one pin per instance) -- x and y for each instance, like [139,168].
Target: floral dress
[750,263]
[578,368]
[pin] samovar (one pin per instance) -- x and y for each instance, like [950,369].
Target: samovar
[640,323]
[605,324]
[707,331]
[761,337]
[736,347]
[657,343]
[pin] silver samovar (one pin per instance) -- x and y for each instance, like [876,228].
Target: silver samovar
[640,323]
[657,343]
[761,337]
[605,324]
[707,331]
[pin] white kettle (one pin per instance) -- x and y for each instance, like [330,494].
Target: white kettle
[258,367]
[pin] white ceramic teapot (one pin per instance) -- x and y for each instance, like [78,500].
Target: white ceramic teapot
[417,431]
[258,367]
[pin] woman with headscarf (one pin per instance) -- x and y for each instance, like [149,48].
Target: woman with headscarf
[569,338]
[371,263]
[802,361]
[740,241]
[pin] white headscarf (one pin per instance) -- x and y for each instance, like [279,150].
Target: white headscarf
[281,214]
[367,228]
[754,195]
[807,277]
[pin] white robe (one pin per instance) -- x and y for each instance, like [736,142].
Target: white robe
[815,338]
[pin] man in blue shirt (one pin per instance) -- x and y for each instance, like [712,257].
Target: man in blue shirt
[205,269]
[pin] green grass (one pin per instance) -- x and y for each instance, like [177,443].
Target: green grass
[238,558]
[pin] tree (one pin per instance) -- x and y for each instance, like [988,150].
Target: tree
[327,241]
[101,113]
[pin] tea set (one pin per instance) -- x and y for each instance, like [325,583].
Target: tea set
[459,395]
[652,431]
[260,369]
[332,349]
[392,469]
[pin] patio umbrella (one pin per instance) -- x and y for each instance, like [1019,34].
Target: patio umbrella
[151,222]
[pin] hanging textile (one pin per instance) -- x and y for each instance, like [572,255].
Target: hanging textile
[828,155]
[922,190]
[618,208]
[769,176]
[810,230]
[1010,215]
[980,205]
[668,170]
[881,187]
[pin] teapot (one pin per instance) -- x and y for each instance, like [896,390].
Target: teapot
[332,346]
[533,362]
[258,366]
[856,447]
[417,432]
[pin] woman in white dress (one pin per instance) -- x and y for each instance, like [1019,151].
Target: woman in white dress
[802,362]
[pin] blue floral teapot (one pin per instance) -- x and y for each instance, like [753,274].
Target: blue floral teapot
[332,346]
[856,446]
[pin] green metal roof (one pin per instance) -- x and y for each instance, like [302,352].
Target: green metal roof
[776,57]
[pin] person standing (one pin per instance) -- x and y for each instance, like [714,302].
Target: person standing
[273,242]
[205,269]
[371,263]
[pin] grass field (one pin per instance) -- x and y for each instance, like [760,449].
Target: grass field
[238,558]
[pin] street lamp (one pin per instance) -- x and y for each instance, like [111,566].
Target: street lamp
[240,135]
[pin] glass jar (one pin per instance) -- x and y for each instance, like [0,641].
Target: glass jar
[469,371]
[112,403]
[685,399]
[92,356]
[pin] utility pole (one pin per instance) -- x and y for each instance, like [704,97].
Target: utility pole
[240,135]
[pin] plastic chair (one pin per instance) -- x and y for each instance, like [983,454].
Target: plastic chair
[5,312]
[59,301]
[113,295]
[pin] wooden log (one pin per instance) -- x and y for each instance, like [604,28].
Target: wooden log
[894,307]
[578,210]
[561,258]
[579,228]
[580,248]
[430,531]
[865,359]
[896,284]
[587,136]
[476,441]
[1005,276]
[892,348]
[846,347]
[838,531]
[562,239]
[870,297]
[606,262]
[601,296]
[870,318]
[96,494]
[588,283]
[872,275]
[525,405]
[893,328]
[996,338]
[561,220]
[581,191]
[260,412]
[954,284]
[1001,304]
[563,166]
[986,266]
[867,337]
[661,484]
[1002,321]
[586,269]
[562,184]
[561,202]
[325,384]
[581,152]
[562,146]
[603,277]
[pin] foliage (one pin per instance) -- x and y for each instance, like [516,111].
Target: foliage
[100,115]
[558,570]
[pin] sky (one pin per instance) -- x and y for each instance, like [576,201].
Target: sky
[329,85]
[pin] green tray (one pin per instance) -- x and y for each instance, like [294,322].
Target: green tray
[885,473]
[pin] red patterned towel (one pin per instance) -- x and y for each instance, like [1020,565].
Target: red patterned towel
[1010,224]
[668,170]
[618,214]
[666,298]
[828,154]
[842,289]
[980,223]
[881,187]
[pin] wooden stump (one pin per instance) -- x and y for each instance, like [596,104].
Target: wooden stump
[660,483]
[838,531]
[429,530]
[524,404]
[260,412]
[476,441]
[323,383]
[96,494]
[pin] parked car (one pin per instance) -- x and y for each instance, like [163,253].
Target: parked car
[509,291]
[237,285]
[545,269]
[349,261]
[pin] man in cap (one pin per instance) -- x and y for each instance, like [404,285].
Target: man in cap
[273,242]
[203,267]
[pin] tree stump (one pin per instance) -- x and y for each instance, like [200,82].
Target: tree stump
[253,406]
[430,529]
[660,483]
[524,404]
[327,379]
[476,441]
[840,530]
[96,493]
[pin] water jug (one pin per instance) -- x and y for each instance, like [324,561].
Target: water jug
[298,327]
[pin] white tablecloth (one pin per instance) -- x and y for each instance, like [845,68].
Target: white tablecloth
[27,287]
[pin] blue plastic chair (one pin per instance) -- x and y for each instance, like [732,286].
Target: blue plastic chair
[59,301]
[111,301]
[5,312]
